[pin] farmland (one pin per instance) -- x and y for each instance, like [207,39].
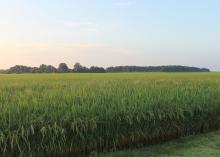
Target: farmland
[76,114]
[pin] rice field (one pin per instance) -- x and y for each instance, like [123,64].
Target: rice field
[77,114]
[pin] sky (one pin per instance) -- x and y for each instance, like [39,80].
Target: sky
[110,32]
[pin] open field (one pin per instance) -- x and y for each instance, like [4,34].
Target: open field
[205,145]
[76,114]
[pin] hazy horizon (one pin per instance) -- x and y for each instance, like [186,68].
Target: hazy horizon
[110,33]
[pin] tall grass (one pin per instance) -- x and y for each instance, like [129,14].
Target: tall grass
[55,115]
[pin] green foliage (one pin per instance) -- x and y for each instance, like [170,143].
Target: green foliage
[63,68]
[173,68]
[20,69]
[82,113]
[95,69]
[78,68]
[49,69]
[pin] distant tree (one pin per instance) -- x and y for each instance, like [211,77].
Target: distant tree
[63,68]
[3,71]
[205,70]
[78,68]
[52,69]
[20,69]
[174,68]
[47,69]
[35,70]
[43,68]
[95,69]
[178,68]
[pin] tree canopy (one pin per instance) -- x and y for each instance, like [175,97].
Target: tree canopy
[63,68]
[173,68]
[78,68]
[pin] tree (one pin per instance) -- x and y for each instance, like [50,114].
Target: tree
[47,69]
[51,69]
[43,68]
[3,71]
[63,68]
[173,68]
[78,68]
[95,69]
[35,70]
[20,69]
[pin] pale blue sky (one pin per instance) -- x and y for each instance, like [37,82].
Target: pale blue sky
[110,32]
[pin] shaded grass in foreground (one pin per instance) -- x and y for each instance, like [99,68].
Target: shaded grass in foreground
[204,145]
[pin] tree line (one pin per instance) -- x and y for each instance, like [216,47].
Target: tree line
[171,68]
[78,68]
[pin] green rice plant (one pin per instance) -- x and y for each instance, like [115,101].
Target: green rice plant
[76,114]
